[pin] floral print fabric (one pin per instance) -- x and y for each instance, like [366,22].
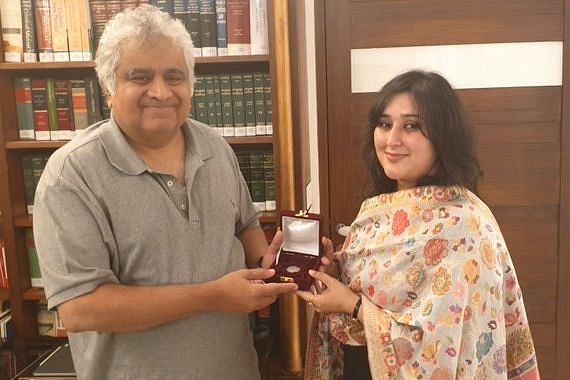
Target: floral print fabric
[441,298]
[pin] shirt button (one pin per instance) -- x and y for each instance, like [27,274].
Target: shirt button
[183,206]
[170,183]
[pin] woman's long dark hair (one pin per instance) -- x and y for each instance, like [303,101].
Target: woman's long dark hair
[444,123]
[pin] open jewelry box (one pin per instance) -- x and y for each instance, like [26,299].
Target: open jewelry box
[301,249]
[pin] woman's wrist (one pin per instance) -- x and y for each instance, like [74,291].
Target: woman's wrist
[356,309]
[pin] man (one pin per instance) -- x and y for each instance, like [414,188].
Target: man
[144,225]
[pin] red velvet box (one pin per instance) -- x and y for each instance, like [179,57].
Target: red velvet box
[301,249]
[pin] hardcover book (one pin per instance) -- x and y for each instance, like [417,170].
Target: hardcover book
[43,30]
[11,18]
[29,37]
[208,28]
[40,108]
[221,27]
[258,27]
[237,26]
[24,110]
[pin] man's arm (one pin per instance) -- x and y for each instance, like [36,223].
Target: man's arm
[123,308]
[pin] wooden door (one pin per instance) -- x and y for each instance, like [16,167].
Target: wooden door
[524,135]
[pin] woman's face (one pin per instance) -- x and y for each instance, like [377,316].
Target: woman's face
[404,152]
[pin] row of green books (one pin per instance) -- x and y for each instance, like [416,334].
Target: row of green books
[257,167]
[236,104]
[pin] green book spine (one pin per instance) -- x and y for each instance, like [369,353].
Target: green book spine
[38,165]
[29,184]
[268,103]
[33,263]
[269,179]
[259,103]
[249,104]
[208,28]
[218,105]
[52,112]
[256,162]
[243,161]
[227,107]
[211,101]
[200,101]
[193,24]
[24,109]
[238,103]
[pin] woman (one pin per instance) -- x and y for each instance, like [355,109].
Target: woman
[424,286]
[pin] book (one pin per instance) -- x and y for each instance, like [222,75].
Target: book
[249,104]
[64,110]
[257,167]
[269,180]
[164,5]
[79,105]
[52,112]
[238,104]
[43,30]
[259,103]
[218,105]
[24,110]
[258,27]
[98,17]
[208,40]
[93,99]
[74,13]
[211,101]
[243,162]
[29,38]
[193,24]
[87,39]
[227,106]
[33,263]
[47,323]
[40,109]
[221,28]
[12,38]
[200,102]
[58,17]
[38,164]
[179,12]
[237,26]
[58,363]
[268,104]
[29,182]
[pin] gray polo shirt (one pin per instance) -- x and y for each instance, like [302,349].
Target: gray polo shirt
[101,216]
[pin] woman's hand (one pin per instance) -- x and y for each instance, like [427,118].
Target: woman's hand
[336,296]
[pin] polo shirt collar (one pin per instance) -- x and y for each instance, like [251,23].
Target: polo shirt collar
[123,157]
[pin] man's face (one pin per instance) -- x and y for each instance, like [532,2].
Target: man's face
[152,98]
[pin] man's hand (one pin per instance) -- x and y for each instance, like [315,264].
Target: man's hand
[245,290]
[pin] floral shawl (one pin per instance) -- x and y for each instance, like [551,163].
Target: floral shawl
[441,298]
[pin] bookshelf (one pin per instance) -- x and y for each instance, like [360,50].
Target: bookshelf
[15,219]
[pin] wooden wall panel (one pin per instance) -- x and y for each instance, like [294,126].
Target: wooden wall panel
[523,136]
[392,23]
